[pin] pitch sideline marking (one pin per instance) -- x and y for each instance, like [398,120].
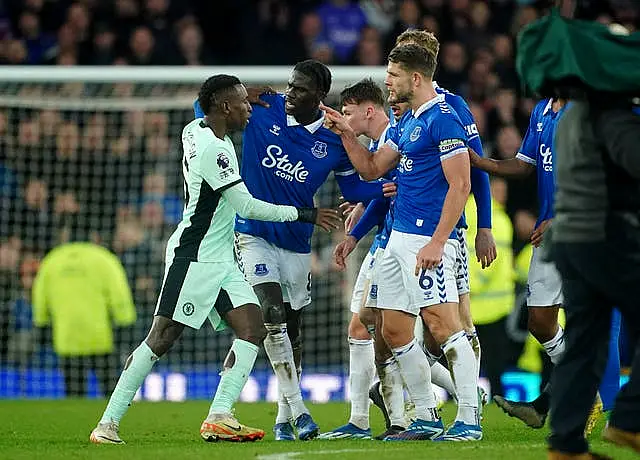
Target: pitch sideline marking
[290,455]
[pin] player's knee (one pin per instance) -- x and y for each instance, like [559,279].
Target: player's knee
[542,327]
[164,332]
[274,313]
[357,329]
[253,333]
[395,336]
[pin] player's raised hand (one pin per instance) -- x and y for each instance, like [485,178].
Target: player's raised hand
[334,120]
[328,219]
[389,189]
[485,247]
[254,93]
[538,233]
[342,251]
[353,217]
[429,257]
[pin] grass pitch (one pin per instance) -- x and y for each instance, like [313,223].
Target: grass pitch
[166,430]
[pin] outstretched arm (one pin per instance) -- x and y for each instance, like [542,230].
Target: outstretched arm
[513,167]
[370,166]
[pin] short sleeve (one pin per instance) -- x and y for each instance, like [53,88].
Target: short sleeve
[466,117]
[219,167]
[449,136]
[529,148]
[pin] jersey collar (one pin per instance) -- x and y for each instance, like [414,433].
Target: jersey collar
[427,105]
[548,107]
[311,127]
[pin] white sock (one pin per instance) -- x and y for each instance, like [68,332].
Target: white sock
[361,372]
[136,369]
[391,386]
[462,365]
[278,348]
[284,411]
[555,346]
[474,340]
[416,373]
[440,375]
[240,361]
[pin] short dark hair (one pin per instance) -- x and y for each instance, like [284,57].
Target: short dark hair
[210,90]
[366,90]
[414,58]
[319,72]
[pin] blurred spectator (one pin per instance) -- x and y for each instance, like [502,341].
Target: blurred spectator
[453,60]
[504,112]
[278,34]
[311,32]
[9,259]
[154,189]
[408,18]
[39,44]
[504,61]
[369,50]
[81,292]
[67,44]
[21,340]
[191,49]
[342,22]
[142,48]
[16,53]
[380,14]
[104,46]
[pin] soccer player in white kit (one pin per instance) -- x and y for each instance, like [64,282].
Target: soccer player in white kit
[202,279]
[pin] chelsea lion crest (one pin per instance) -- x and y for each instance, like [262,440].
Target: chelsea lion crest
[319,149]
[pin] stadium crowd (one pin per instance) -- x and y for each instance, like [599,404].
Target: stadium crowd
[119,171]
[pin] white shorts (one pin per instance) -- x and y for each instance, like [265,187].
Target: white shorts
[462,263]
[400,289]
[374,277]
[263,262]
[194,291]
[362,283]
[544,285]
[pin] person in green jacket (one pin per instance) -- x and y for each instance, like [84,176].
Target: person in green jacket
[81,291]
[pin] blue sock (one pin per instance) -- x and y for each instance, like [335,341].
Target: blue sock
[611,379]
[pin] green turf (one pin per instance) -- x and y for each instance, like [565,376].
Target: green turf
[161,431]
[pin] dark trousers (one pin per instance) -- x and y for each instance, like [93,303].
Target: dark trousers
[76,368]
[596,277]
[495,352]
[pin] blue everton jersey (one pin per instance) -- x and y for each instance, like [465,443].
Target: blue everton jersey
[284,162]
[460,106]
[384,230]
[432,134]
[537,149]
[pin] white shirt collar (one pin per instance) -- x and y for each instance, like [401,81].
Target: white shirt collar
[548,107]
[311,127]
[435,84]
[427,105]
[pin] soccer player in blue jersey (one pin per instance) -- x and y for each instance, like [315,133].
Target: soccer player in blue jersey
[544,284]
[419,263]
[484,242]
[287,156]
[363,107]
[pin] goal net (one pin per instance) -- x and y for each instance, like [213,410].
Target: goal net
[97,152]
